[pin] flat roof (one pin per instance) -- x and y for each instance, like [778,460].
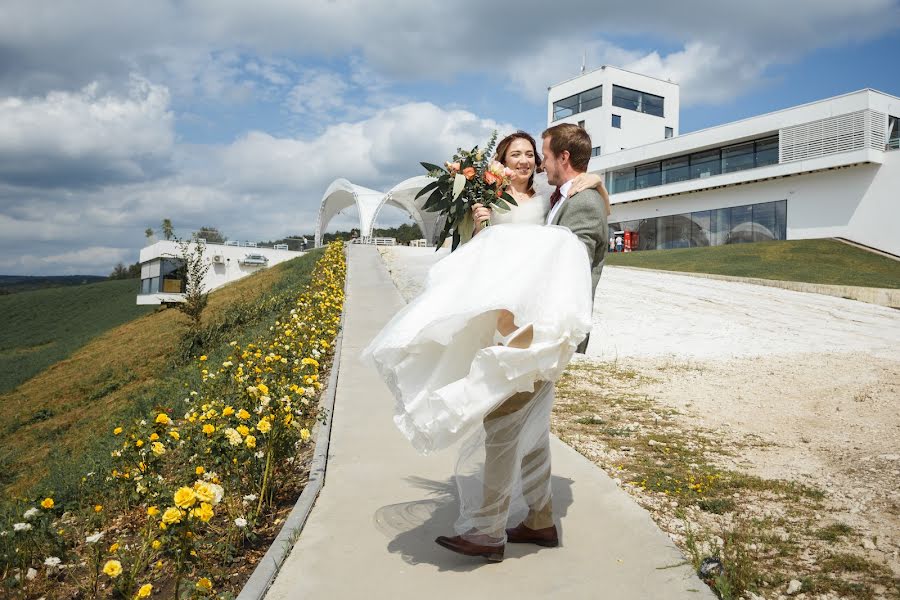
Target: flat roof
[603,67]
[698,132]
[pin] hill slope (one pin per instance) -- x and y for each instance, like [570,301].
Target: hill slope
[812,261]
[42,327]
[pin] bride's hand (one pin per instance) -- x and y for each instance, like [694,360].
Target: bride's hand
[585,181]
[480,214]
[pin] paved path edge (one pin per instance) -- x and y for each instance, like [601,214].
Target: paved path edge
[267,569]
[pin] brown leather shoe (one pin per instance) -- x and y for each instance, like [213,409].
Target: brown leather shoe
[473,545]
[520,534]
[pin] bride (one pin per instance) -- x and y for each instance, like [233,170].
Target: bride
[479,351]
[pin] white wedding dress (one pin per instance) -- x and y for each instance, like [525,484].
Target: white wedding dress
[438,355]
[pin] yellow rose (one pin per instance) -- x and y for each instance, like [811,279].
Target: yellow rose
[174,435]
[158,449]
[154,436]
[117,431]
[227,411]
[264,425]
[145,590]
[204,584]
[250,441]
[263,388]
[204,492]
[163,419]
[185,497]
[171,516]
[208,429]
[47,503]
[113,568]
[114,547]
[155,544]
[152,511]
[202,358]
[204,512]
[243,430]
[304,434]
[199,470]
[98,508]
[139,443]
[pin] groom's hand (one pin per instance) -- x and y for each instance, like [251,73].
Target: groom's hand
[480,214]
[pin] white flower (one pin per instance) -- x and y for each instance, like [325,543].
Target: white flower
[93,539]
[21,526]
[218,492]
[241,522]
[31,574]
[264,400]
[260,454]
[250,498]
[52,561]
[143,422]
[31,512]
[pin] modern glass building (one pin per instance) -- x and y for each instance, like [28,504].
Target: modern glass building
[823,169]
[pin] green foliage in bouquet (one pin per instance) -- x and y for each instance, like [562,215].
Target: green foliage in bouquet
[470,178]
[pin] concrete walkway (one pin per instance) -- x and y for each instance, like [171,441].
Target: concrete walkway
[371,531]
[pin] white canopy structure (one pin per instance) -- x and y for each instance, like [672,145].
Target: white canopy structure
[342,194]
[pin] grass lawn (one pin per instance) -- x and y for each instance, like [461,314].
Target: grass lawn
[812,261]
[42,327]
[60,415]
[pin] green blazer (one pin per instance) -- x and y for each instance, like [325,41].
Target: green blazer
[584,214]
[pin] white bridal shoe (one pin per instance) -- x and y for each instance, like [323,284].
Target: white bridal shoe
[520,338]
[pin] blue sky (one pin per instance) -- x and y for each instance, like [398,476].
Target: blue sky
[116,115]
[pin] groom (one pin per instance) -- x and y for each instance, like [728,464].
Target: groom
[567,151]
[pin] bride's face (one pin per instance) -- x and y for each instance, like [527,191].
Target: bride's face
[520,158]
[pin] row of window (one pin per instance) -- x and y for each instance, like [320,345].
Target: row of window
[172,278]
[747,155]
[573,105]
[734,225]
[623,97]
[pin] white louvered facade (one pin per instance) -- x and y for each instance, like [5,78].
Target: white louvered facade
[841,133]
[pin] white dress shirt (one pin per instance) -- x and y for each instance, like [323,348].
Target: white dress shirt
[564,190]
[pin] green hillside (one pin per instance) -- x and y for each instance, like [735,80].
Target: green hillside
[812,261]
[42,327]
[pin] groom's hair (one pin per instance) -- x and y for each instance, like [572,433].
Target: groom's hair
[573,138]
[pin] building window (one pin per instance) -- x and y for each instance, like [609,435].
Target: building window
[739,157]
[638,101]
[893,139]
[581,124]
[617,121]
[669,132]
[761,222]
[595,151]
[578,103]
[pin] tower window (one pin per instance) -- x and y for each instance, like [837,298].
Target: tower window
[617,121]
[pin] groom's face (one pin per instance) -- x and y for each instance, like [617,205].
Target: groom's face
[551,164]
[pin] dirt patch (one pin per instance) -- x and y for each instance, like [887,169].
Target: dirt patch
[784,468]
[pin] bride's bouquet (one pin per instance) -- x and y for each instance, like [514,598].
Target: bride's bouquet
[469,178]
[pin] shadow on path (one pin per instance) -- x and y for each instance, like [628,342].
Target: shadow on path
[412,526]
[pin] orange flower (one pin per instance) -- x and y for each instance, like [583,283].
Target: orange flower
[490,178]
[469,172]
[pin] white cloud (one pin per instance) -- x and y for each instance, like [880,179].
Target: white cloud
[258,187]
[85,138]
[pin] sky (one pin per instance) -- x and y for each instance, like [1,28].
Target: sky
[237,115]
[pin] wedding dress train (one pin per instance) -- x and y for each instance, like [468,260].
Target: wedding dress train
[451,372]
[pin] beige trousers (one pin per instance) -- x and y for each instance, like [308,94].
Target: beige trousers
[503,427]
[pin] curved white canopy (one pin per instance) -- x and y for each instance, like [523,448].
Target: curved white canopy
[342,194]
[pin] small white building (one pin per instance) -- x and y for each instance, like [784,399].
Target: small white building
[824,169]
[163,273]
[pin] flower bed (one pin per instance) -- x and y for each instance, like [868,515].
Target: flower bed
[198,487]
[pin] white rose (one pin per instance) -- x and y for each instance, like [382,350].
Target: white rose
[93,539]
[21,526]
[240,522]
[31,512]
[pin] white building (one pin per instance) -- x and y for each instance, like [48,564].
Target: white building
[163,276]
[824,169]
[618,108]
